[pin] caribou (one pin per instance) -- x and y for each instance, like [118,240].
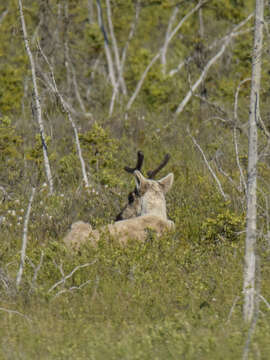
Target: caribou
[145,210]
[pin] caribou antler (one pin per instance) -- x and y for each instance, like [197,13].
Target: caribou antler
[138,166]
[153,173]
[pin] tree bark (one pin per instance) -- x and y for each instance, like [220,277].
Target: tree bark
[251,217]
[37,101]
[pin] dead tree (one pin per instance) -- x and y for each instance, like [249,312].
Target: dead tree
[251,217]
[37,101]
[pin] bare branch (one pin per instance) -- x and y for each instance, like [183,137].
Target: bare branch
[191,12]
[232,308]
[70,275]
[208,166]
[36,269]
[15,312]
[265,301]
[3,15]
[236,97]
[72,289]
[214,44]
[242,177]
[194,87]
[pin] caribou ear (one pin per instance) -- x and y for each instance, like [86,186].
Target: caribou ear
[140,180]
[166,182]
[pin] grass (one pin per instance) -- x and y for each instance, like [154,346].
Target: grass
[166,299]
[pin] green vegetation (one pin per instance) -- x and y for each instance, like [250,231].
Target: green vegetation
[176,297]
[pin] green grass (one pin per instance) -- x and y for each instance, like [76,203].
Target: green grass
[166,299]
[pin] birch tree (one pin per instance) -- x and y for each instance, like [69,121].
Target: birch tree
[37,101]
[251,217]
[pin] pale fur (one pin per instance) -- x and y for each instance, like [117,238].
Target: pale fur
[151,207]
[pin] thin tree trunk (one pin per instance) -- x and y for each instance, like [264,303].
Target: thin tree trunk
[106,47]
[24,238]
[225,197]
[251,217]
[54,88]
[166,42]
[115,48]
[37,101]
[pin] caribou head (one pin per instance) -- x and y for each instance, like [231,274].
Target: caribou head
[148,195]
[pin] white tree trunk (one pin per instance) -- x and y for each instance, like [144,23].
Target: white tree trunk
[54,88]
[166,42]
[251,217]
[115,48]
[37,101]
[107,48]
[24,238]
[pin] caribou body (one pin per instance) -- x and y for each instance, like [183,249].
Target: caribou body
[146,209]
